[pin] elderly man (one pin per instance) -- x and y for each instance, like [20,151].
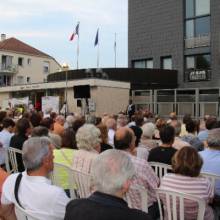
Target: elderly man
[211,156]
[144,175]
[112,173]
[59,125]
[31,189]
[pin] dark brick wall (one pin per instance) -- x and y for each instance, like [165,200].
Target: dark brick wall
[156,29]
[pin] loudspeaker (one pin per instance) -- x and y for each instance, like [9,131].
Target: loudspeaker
[81,92]
[79,103]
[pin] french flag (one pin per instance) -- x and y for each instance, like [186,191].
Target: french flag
[76,32]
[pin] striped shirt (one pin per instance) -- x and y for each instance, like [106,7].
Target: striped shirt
[197,186]
[144,176]
[82,160]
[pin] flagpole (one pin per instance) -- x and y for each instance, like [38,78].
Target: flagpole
[77,60]
[115,48]
[98,55]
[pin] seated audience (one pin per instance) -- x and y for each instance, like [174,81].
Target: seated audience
[165,152]
[211,156]
[191,138]
[186,118]
[23,130]
[186,166]
[88,142]
[5,138]
[112,173]
[55,138]
[59,125]
[104,137]
[39,131]
[112,126]
[144,175]
[178,142]
[65,154]
[210,123]
[147,136]
[34,191]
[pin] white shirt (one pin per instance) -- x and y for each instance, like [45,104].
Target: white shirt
[111,134]
[38,195]
[5,138]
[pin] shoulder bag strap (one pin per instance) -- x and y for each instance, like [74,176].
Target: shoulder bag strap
[17,184]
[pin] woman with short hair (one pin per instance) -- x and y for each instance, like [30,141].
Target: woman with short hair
[88,142]
[186,178]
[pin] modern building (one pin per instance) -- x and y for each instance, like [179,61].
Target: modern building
[184,36]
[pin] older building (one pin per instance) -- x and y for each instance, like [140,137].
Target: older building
[21,64]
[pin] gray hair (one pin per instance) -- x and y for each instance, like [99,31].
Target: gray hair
[110,170]
[87,137]
[148,130]
[33,152]
[214,138]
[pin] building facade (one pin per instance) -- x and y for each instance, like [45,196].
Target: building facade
[182,35]
[21,64]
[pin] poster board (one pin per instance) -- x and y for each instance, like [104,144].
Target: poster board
[50,104]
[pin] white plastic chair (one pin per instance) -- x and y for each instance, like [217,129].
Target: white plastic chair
[10,158]
[212,177]
[57,178]
[174,204]
[144,198]
[82,181]
[23,214]
[160,168]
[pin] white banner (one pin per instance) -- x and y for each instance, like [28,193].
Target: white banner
[50,104]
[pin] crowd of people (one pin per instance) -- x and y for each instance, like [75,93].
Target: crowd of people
[116,150]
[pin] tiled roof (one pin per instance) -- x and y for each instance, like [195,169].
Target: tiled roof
[15,45]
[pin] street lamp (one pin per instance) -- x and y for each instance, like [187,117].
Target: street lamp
[65,67]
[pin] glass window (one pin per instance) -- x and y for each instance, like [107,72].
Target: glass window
[202,7]
[202,26]
[20,80]
[166,63]
[190,62]
[46,67]
[29,61]
[139,64]
[189,28]
[203,61]
[189,8]
[149,64]
[20,61]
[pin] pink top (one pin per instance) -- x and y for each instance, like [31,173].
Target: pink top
[82,160]
[145,177]
[197,186]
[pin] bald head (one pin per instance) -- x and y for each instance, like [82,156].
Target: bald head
[124,138]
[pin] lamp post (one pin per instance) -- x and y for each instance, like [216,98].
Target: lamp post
[65,68]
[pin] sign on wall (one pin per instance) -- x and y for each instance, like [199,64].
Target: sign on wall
[50,104]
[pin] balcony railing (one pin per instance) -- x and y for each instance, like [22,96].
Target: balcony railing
[8,68]
[200,41]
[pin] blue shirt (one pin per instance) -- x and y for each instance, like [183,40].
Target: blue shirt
[211,161]
[203,135]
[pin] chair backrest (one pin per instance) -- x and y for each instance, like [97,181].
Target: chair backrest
[11,159]
[160,168]
[62,173]
[143,196]
[23,214]
[212,177]
[174,204]
[82,181]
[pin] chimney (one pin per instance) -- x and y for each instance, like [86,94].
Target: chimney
[3,37]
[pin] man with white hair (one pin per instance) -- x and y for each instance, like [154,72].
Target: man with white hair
[31,189]
[112,172]
[211,156]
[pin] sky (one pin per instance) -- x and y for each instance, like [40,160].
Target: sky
[48,24]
